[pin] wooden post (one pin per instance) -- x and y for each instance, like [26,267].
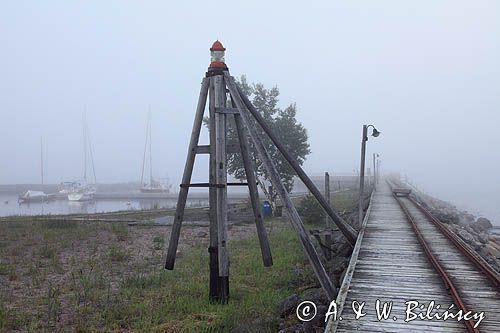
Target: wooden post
[378,171]
[186,177]
[214,284]
[347,230]
[254,194]
[364,138]
[327,196]
[374,173]
[316,264]
[221,185]
[328,243]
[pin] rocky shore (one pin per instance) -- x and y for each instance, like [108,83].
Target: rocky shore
[477,232]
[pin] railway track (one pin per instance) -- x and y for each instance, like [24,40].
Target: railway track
[403,254]
[473,285]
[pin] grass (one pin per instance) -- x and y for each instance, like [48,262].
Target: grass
[158,242]
[178,300]
[121,231]
[89,276]
[110,278]
[3,316]
[117,253]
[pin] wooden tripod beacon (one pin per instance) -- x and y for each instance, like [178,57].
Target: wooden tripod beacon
[232,102]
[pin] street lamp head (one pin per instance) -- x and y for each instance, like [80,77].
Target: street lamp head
[375,132]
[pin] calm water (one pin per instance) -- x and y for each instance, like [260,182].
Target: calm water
[9,206]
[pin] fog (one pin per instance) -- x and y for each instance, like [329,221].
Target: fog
[426,73]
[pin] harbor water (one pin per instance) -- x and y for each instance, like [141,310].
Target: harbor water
[9,205]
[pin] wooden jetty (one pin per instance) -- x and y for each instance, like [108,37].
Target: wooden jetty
[402,255]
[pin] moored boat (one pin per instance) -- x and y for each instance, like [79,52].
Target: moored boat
[154,186]
[33,196]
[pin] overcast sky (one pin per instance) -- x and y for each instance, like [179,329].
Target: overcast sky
[426,73]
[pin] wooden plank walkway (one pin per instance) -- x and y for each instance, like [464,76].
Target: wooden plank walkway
[392,266]
[478,294]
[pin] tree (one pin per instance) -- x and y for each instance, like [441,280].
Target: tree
[283,123]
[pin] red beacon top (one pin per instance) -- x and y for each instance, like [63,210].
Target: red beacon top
[217,55]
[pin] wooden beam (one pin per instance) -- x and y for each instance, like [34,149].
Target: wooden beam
[226,110]
[212,194]
[297,224]
[254,194]
[327,196]
[345,228]
[186,177]
[230,149]
[221,175]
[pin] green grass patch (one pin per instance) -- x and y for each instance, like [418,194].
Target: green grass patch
[177,301]
[117,253]
[3,316]
[59,224]
[106,286]
[120,230]
[4,268]
[48,251]
[9,270]
[158,242]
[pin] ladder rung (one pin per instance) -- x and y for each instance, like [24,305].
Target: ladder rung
[213,185]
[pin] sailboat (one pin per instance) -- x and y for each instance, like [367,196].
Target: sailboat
[31,195]
[154,186]
[82,191]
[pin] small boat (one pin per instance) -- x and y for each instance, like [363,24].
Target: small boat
[81,191]
[66,187]
[154,186]
[33,196]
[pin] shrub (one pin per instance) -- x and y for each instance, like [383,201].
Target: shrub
[117,253]
[120,230]
[311,211]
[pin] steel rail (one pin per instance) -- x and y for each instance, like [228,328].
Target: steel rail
[478,261]
[438,267]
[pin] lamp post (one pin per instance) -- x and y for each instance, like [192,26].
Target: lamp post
[364,138]
[378,169]
[375,170]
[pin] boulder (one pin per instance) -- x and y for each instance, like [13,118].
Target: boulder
[495,245]
[297,328]
[201,234]
[483,238]
[315,295]
[482,224]
[494,238]
[288,305]
[445,217]
[319,320]
[258,324]
[466,236]
[338,264]
[492,250]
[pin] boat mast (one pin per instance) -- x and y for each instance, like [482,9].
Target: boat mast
[145,149]
[41,157]
[150,153]
[84,148]
[91,150]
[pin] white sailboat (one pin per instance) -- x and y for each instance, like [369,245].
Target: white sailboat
[82,191]
[31,195]
[154,185]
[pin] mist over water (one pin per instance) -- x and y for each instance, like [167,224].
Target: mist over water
[9,206]
[427,75]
